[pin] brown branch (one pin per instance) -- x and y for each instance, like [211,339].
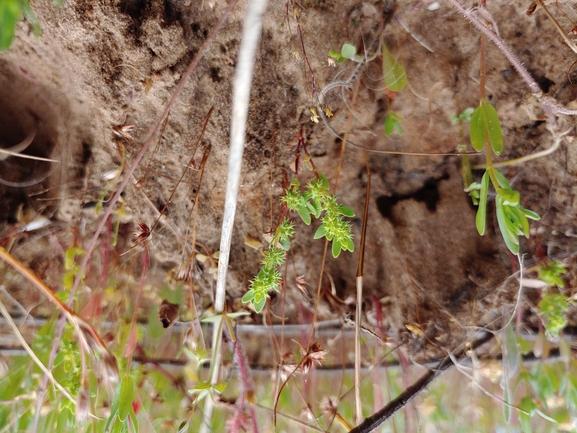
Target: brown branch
[379,417]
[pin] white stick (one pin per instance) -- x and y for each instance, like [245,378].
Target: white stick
[240,101]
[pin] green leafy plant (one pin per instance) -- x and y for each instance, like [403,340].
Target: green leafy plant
[551,273]
[553,309]
[316,201]
[511,216]
[11,12]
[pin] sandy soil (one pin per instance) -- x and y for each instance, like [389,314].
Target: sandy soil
[103,64]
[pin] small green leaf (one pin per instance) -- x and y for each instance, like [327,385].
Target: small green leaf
[321,232]
[334,54]
[285,244]
[258,297]
[126,397]
[348,244]
[346,211]
[510,196]
[258,306]
[481,218]
[530,214]
[502,180]
[509,236]
[465,116]
[393,72]
[324,182]
[10,12]
[305,215]
[336,248]
[477,130]
[348,51]
[248,296]
[492,126]
[219,387]
[393,124]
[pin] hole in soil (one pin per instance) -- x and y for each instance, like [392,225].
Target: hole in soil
[428,194]
[27,115]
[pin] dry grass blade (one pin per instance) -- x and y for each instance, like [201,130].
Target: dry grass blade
[359,307]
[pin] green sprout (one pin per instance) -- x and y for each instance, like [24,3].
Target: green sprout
[511,216]
[316,201]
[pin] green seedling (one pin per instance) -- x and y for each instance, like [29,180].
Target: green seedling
[511,216]
[316,201]
[348,52]
[393,124]
[465,116]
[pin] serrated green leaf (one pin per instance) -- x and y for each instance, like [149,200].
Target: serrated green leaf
[336,248]
[492,126]
[348,51]
[126,397]
[248,296]
[324,182]
[481,218]
[321,232]
[346,211]
[393,72]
